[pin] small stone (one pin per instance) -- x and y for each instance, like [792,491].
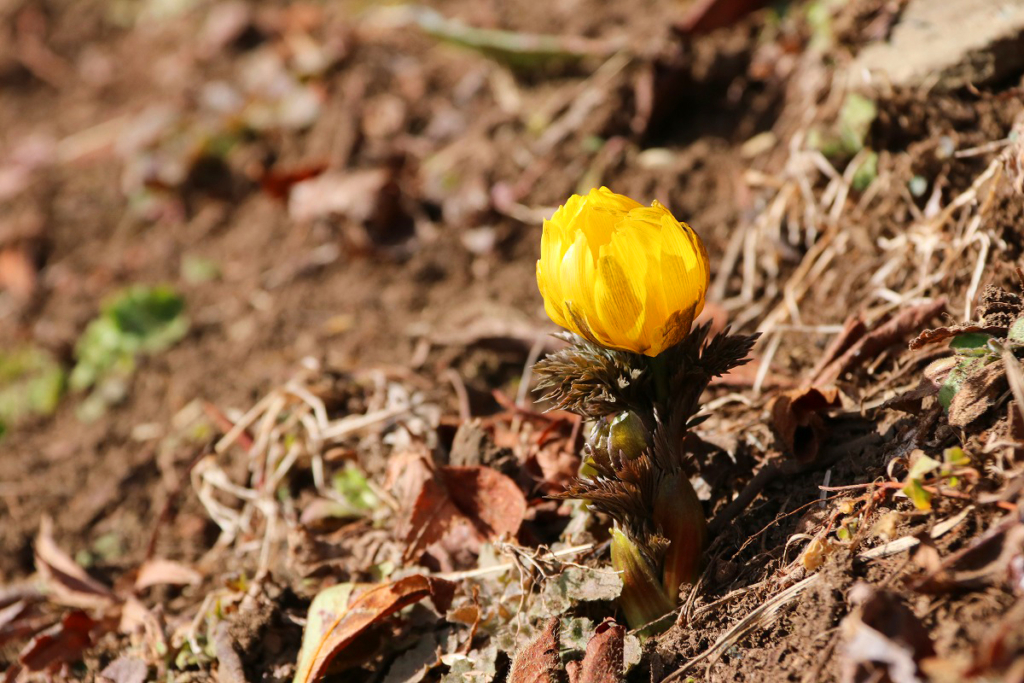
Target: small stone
[950,43]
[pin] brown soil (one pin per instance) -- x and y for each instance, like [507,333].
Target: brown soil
[412,284]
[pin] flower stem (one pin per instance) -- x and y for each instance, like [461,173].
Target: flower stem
[659,368]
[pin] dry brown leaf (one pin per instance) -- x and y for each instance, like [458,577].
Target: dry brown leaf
[158,571]
[433,515]
[278,182]
[977,394]
[901,326]
[20,620]
[538,662]
[352,195]
[491,501]
[556,464]
[884,639]
[988,560]
[369,608]
[67,582]
[797,416]
[59,644]
[125,670]
[17,272]
[229,664]
[604,660]
[488,500]
[854,330]
[137,619]
[944,333]
[708,15]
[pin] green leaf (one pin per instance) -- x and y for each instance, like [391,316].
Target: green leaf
[197,270]
[970,340]
[325,608]
[1016,333]
[921,499]
[138,320]
[855,119]
[955,457]
[956,378]
[866,172]
[354,488]
[31,383]
[923,465]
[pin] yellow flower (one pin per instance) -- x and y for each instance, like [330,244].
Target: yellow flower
[623,275]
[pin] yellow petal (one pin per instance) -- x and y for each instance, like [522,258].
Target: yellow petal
[553,244]
[576,276]
[684,267]
[568,211]
[619,294]
[552,298]
[602,210]
[611,201]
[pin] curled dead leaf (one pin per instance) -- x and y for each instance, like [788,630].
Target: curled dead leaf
[943,333]
[60,644]
[798,418]
[125,670]
[157,571]
[67,582]
[488,500]
[883,639]
[335,620]
[538,662]
[604,661]
[979,392]
[868,346]
[990,559]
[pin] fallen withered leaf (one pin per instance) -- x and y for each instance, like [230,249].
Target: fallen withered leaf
[125,670]
[798,420]
[902,325]
[987,560]
[138,620]
[433,515]
[158,571]
[977,394]
[20,620]
[538,662]
[18,274]
[944,333]
[352,195]
[853,331]
[934,376]
[229,664]
[882,636]
[67,582]
[491,501]
[708,15]
[278,182]
[486,498]
[59,644]
[333,624]
[604,660]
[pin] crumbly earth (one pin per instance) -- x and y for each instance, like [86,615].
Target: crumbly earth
[110,116]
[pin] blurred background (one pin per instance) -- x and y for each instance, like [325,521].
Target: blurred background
[196,195]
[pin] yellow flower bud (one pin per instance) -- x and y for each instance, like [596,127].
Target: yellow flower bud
[627,435]
[621,274]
